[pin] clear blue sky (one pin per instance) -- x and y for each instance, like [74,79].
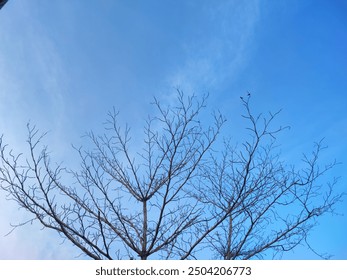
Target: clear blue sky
[63,64]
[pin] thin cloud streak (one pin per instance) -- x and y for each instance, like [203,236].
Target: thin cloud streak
[32,83]
[219,58]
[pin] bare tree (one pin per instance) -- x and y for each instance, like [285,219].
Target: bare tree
[271,206]
[175,195]
[138,204]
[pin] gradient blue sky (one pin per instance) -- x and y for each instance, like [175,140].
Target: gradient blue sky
[63,64]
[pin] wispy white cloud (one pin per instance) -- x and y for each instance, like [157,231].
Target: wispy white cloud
[32,87]
[219,58]
[33,80]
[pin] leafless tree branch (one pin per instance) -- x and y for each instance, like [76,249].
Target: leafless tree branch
[173,195]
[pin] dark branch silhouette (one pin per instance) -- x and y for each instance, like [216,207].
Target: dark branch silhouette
[2,3]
